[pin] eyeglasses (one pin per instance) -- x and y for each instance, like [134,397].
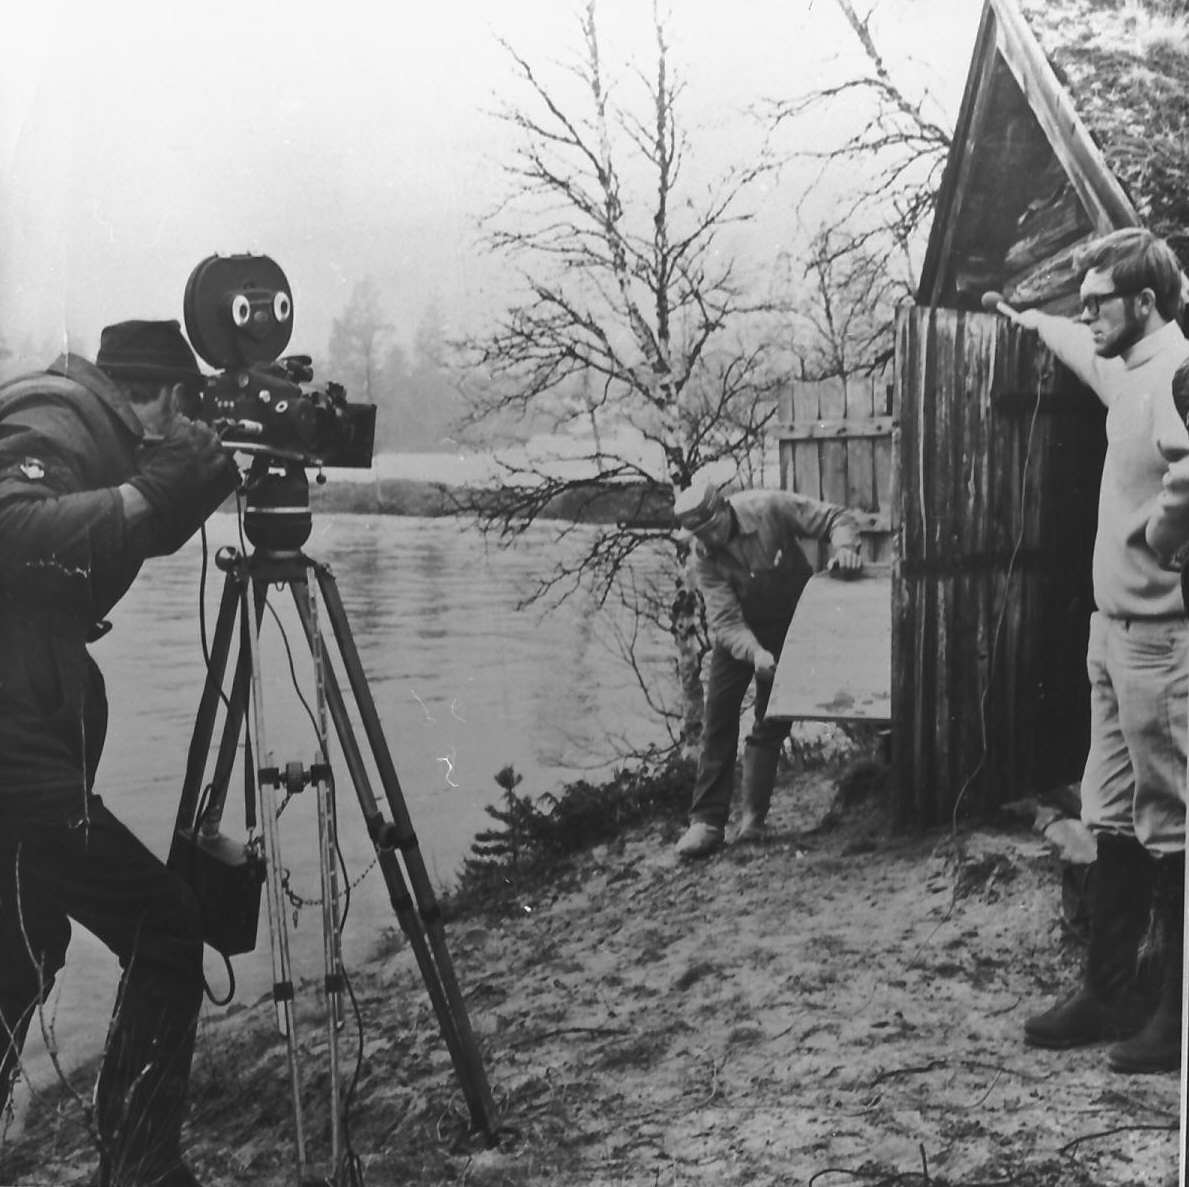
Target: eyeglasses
[1092,305]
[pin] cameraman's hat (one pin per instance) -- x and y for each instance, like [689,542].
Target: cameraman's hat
[695,507]
[147,350]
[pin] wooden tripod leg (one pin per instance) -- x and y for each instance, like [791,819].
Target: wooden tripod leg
[208,704]
[328,866]
[418,913]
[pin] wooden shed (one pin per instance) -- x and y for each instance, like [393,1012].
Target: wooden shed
[999,449]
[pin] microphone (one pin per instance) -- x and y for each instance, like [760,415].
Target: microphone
[993,302]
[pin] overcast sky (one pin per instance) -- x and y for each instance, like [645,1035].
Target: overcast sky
[344,137]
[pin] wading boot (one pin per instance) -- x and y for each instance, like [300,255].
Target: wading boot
[1109,1005]
[759,777]
[1157,1048]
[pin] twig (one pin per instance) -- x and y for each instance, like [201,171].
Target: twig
[932,1065]
[1167,1127]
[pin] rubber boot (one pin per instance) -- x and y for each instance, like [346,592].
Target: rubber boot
[699,840]
[1109,1005]
[141,1094]
[1157,1048]
[759,777]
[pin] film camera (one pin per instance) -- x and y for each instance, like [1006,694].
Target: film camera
[239,316]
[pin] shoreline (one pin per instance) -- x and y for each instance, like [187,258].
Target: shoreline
[584,502]
[840,999]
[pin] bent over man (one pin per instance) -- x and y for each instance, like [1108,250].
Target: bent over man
[751,570]
[1126,345]
[98,471]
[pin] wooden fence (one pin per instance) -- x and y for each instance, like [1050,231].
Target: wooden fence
[837,444]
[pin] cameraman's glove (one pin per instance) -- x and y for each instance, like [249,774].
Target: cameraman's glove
[184,477]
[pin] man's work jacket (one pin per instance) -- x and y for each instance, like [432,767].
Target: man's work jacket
[68,439]
[757,577]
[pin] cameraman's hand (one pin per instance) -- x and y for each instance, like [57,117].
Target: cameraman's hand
[182,465]
[183,477]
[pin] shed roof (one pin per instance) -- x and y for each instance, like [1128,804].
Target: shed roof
[1075,120]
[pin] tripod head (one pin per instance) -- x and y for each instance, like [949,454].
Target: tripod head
[277,515]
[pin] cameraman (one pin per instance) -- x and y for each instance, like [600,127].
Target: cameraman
[98,471]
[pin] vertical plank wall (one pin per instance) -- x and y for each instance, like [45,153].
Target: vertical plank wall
[1000,454]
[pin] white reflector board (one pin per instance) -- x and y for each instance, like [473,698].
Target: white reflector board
[837,659]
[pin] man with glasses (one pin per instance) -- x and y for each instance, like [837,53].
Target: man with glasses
[1126,345]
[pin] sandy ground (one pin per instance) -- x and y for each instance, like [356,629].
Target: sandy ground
[837,1006]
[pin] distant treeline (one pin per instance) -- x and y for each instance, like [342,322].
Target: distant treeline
[582,503]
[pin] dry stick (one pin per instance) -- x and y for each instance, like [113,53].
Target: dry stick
[47,1030]
[1167,1127]
[931,1066]
[990,1089]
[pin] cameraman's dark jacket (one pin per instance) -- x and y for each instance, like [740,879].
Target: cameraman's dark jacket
[68,439]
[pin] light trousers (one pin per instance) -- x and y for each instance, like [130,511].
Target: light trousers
[1134,781]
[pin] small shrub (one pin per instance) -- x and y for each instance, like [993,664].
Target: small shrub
[535,835]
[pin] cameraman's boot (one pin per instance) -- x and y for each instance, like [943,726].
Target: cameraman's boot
[1157,1048]
[141,1095]
[1110,1004]
[759,777]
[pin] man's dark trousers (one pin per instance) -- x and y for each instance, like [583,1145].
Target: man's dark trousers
[726,686]
[94,870]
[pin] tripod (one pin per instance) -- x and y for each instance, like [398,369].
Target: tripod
[278,522]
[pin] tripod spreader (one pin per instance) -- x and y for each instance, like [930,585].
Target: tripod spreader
[295,777]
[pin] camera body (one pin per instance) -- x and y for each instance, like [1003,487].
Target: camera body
[239,317]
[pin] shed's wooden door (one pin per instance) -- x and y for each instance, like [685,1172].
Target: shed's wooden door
[1000,459]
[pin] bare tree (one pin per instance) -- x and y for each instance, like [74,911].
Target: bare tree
[882,177]
[633,329]
[840,308]
[358,341]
